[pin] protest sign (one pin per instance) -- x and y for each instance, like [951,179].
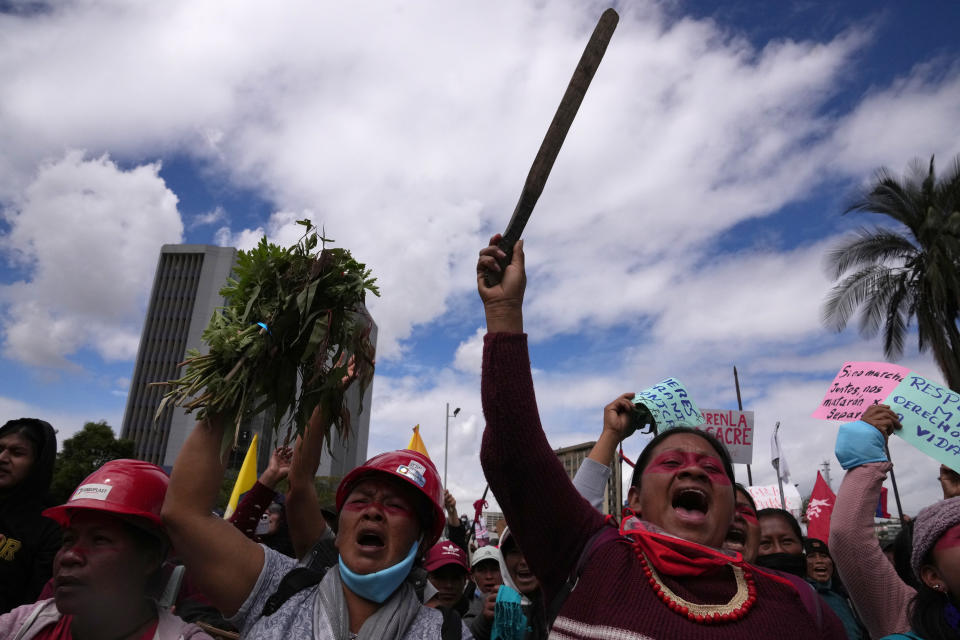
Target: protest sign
[856,387]
[732,428]
[930,415]
[768,497]
[670,405]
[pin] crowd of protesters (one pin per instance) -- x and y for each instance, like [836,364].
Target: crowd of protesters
[135,554]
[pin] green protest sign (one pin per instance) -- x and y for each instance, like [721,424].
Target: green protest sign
[670,405]
[930,415]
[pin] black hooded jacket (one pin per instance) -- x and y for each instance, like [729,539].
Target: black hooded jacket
[28,541]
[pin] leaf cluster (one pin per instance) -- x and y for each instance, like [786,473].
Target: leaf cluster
[291,317]
[889,276]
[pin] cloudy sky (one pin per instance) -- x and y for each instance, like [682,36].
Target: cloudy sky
[682,232]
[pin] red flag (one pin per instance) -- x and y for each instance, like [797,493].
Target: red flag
[819,509]
[882,504]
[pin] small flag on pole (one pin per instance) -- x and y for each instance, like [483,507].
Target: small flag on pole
[776,457]
[819,510]
[245,479]
[416,442]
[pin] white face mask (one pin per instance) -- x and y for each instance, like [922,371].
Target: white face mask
[263,527]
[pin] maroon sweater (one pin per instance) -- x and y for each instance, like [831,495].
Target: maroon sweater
[552,522]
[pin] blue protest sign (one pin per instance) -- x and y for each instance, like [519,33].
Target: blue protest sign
[670,405]
[930,415]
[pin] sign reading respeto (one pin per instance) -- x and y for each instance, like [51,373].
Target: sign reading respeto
[928,412]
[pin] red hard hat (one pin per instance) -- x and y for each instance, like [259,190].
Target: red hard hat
[410,466]
[123,487]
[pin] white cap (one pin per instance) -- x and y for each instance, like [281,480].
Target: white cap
[488,552]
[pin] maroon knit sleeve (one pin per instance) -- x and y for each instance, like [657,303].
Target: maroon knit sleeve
[546,514]
[250,508]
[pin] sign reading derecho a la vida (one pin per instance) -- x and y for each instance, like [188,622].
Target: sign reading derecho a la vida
[670,405]
[930,416]
[732,428]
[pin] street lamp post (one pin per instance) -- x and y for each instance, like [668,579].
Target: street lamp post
[446,440]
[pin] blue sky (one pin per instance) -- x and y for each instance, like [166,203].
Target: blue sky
[682,231]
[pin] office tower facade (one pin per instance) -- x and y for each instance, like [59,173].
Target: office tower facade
[185,295]
[186,292]
[572,457]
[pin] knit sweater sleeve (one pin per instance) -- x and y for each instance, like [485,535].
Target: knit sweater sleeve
[538,500]
[878,593]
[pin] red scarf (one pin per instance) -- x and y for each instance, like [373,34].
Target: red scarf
[673,556]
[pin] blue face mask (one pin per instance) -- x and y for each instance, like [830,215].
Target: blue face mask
[378,586]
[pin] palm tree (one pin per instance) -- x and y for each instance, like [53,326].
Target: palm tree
[890,276]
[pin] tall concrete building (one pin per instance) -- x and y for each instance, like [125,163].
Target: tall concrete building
[186,293]
[572,457]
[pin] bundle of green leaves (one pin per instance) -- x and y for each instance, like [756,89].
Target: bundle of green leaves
[292,318]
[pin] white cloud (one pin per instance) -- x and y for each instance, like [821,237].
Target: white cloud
[469,353]
[215,215]
[406,130]
[66,423]
[88,234]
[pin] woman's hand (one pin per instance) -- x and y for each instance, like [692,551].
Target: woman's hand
[503,302]
[617,416]
[883,418]
[278,467]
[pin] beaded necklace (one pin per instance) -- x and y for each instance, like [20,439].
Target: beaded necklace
[738,606]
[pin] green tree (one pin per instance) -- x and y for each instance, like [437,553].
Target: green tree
[890,276]
[82,454]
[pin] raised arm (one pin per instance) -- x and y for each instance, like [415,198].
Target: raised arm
[593,474]
[526,477]
[304,518]
[224,563]
[255,502]
[880,596]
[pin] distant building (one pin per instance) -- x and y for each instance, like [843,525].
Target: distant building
[572,457]
[490,520]
[185,295]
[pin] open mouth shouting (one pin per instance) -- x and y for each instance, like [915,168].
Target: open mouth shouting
[736,539]
[690,504]
[686,490]
[370,541]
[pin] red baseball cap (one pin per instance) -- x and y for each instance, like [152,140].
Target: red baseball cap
[444,553]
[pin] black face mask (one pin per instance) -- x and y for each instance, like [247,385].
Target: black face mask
[793,563]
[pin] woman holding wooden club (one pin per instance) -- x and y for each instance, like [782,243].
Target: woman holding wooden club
[663,574]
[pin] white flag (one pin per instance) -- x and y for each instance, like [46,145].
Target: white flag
[776,457]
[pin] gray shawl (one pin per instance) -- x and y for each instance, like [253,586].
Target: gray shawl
[390,621]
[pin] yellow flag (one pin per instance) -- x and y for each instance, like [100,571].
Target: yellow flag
[416,442]
[245,479]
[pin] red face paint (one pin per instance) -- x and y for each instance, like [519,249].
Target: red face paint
[390,505]
[746,512]
[674,461]
[949,539]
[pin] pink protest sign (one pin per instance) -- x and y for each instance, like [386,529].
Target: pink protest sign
[856,387]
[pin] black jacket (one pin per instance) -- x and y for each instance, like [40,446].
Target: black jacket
[28,541]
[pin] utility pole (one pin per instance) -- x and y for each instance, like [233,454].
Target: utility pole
[826,473]
[446,440]
[736,382]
